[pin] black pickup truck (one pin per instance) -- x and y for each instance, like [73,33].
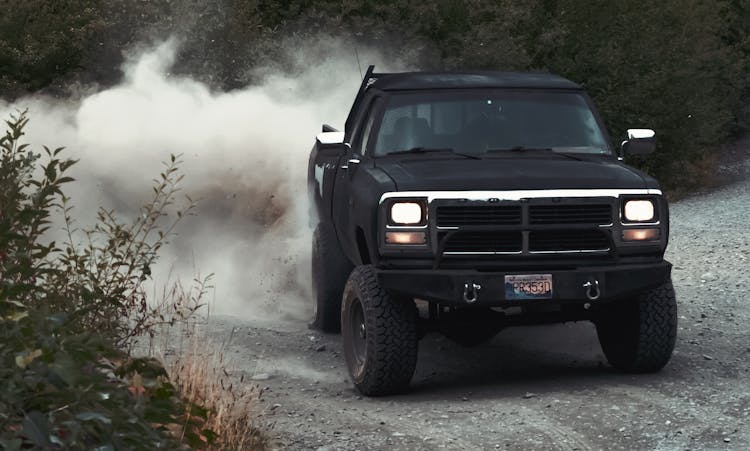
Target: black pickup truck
[464,203]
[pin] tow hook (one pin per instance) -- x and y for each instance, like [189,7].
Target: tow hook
[592,290]
[471,292]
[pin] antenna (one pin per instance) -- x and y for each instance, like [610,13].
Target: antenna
[356,53]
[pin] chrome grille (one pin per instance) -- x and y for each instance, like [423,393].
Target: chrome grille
[599,214]
[473,215]
[523,228]
[483,242]
[568,240]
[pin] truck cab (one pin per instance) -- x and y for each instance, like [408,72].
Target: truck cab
[465,203]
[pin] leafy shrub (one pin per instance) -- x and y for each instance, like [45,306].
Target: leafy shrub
[67,391]
[66,312]
[97,275]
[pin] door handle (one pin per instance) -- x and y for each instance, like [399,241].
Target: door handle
[350,162]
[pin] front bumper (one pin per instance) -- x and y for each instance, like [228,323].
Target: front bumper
[447,286]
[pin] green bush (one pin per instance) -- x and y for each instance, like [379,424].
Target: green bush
[64,390]
[96,275]
[67,311]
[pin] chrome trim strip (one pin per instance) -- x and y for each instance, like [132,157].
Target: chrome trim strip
[582,251]
[483,253]
[647,224]
[585,251]
[516,195]
[416,228]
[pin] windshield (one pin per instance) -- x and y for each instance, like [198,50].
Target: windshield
[489,120]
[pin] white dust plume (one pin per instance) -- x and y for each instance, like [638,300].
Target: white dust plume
[245,160]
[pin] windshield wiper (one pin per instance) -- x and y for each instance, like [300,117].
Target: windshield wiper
[533,149]
[421,149]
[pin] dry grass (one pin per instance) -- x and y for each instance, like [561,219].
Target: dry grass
[215,400]
[202,376]
[222,411]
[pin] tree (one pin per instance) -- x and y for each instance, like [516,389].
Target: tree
[41,40]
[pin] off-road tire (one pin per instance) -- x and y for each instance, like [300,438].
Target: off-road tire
[386,358]
[638,336]
[330,270]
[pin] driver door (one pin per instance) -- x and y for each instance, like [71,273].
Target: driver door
[348,174]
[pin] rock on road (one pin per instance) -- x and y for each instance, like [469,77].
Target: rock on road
[537,387]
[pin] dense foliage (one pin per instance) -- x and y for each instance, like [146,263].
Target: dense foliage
[39,40]
[75,391]
[67,311]
[94,275]
[681,67]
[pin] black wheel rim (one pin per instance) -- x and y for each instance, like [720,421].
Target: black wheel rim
[358,334]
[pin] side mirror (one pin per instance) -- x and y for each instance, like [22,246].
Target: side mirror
[332,143]
[640,141]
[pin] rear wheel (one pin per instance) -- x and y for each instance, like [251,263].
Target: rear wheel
[639,336]
[330,269]
[379,334]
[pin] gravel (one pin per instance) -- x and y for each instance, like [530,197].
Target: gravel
[545,387]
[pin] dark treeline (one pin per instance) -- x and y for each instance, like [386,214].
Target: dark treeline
[681,67]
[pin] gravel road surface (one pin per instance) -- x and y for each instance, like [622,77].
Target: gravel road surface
[537,387]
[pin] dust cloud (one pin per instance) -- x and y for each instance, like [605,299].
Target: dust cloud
[244,158]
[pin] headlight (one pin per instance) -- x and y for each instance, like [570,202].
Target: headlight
[639,210]
[406,213]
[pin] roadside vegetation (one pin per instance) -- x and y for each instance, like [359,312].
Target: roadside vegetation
[71,309]
[681,67]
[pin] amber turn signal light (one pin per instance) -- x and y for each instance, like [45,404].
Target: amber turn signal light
[640,234]
[405,237]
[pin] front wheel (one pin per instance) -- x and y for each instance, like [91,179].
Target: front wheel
[638,336]
[380,335]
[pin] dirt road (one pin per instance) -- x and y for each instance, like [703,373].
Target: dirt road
[538,387]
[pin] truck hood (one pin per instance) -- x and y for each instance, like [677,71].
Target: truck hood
[426,173]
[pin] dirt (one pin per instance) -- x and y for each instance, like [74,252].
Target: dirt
[546,387]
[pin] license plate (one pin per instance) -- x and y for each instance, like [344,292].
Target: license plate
[531,286]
